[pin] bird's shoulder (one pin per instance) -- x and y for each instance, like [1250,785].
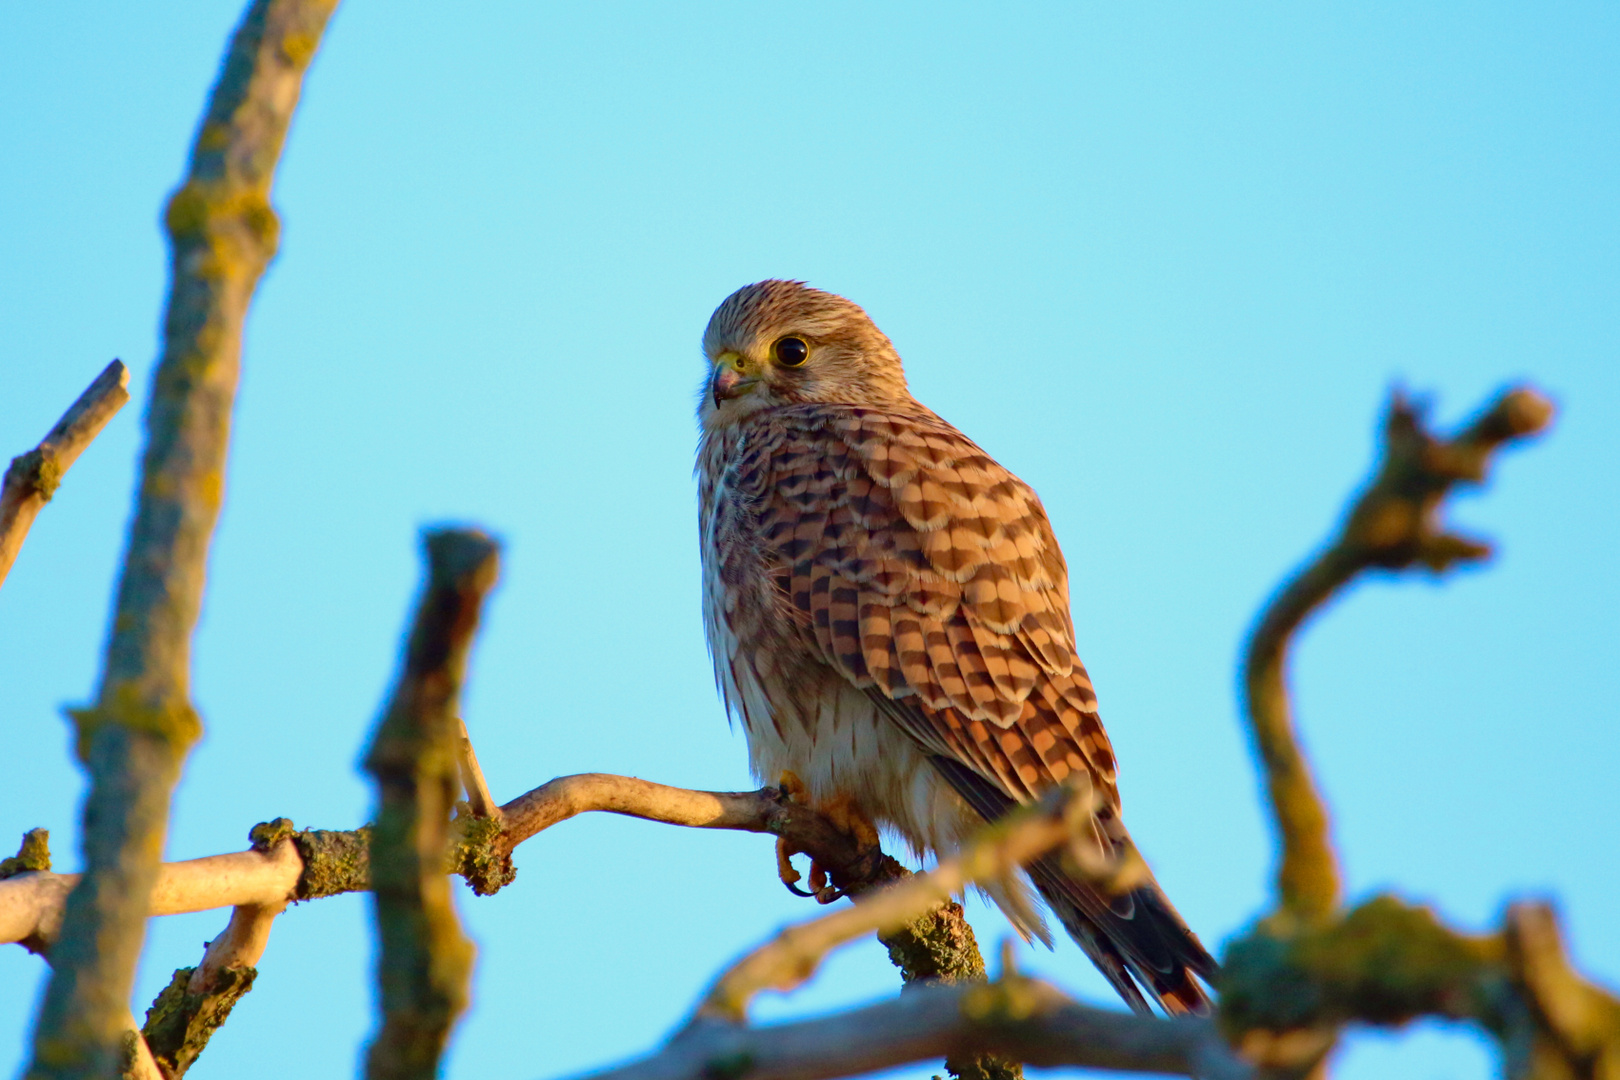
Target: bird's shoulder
[966,519]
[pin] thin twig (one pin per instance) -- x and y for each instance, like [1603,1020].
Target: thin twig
[1394,524]
[425,961]
[994,854]
[133,739]
[479,800]
[1014,1018]
[32,478]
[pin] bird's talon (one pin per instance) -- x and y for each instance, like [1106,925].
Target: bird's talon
[784,864]
[792,787]
[818,877]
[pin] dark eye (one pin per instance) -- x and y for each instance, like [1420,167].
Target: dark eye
[792,351]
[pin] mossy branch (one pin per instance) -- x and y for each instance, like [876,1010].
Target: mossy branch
[133,739]
[1288,986]
[1394,524]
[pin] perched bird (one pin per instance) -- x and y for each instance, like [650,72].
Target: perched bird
[888,613]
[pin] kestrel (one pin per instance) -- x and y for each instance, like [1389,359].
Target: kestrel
[888,613]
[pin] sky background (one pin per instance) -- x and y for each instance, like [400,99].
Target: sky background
[1163,261]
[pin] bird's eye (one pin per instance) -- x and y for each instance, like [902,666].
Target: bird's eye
[792,351]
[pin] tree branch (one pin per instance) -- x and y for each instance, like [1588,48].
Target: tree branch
[995,853]
[198,1000]
[425,962]
[1394,524]
[1014,1018]
[132,741]
[33,477]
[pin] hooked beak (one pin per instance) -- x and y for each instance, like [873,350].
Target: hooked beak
[728,382]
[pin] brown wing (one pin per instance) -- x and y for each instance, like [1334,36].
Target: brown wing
[927,574]
[924,569]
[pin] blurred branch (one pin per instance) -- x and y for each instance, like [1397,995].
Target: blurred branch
[1288,986]
[425,962]
[1015,1018]
[222,233]
[994,854]
[33,477]
[1394,524]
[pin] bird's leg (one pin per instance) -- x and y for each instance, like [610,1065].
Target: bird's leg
[793,789]
[844,815]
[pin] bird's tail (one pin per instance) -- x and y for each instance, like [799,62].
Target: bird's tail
[1138,941]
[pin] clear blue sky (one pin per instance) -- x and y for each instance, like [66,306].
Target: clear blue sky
[1163,261]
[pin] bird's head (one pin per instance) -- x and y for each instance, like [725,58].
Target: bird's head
[784,343]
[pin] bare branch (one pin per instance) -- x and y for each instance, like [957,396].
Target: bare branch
[766,811]
[479,800]
[1014,1018]
[1394,524]
[133,740]
[425,961]
[994,854]
[32,478]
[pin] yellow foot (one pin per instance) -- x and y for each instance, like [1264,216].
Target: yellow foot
[844,815]
[848,818]
[793,787]
[784,863]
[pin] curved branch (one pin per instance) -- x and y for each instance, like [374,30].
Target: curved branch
[32,478]
[1014,1018]
[1394,524]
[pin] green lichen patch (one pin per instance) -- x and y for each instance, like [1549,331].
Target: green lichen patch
[334,862]
[35,471]
[937,946]
[180,1023]
[940,947]
[1386,962]
[34,854]
[267,834]
[477,854]
[176,723]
